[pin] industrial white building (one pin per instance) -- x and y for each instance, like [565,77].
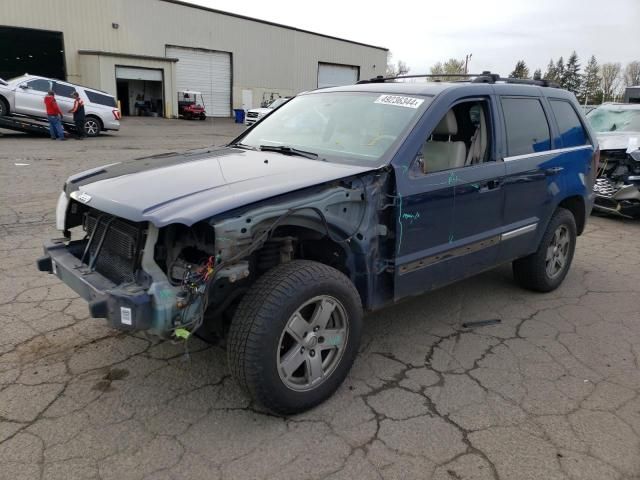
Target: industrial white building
[148,50]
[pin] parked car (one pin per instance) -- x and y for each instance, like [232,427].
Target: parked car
[617,187]
[343,200]
[587,108]
[24,95]
[256,114]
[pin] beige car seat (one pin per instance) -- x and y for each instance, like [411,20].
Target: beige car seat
[443,155]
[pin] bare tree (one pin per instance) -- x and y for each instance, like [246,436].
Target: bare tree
[632,74]
[450,67]
[610,75]
[395,69]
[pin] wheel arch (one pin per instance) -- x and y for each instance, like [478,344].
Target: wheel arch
[96,117]
[5,100]
[576,205]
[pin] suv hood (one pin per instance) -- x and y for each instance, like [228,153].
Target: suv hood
[189,187]
[616,140]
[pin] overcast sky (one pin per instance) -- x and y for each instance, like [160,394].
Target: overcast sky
[496,32]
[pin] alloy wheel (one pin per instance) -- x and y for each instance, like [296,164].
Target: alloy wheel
[312,343]
[557,252]
[91,127]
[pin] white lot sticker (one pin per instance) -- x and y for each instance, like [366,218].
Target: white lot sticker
[399,101]
[125,315]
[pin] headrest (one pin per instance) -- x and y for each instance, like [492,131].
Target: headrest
[448,125]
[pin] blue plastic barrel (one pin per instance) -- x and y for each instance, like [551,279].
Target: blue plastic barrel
[239,115]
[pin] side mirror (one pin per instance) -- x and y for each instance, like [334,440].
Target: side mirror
[24,86]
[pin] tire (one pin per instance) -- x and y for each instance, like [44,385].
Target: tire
[541,271]
[92,126]
[4,107]
[266,340]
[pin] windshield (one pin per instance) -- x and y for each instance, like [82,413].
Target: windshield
[615,119]
[351,127]
[16,79]
[278,102]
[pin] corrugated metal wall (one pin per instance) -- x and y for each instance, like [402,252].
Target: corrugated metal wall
[265,57]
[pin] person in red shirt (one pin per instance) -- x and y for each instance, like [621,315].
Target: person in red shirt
[54,115]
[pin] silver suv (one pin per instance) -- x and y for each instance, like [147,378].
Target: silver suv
[24,95]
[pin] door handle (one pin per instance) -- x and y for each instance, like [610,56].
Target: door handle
[553,170]
[490,185]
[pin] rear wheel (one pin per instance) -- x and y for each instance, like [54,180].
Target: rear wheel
[92,126]
[546,269]
[295,336]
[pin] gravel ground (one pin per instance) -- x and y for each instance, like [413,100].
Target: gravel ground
[550,393]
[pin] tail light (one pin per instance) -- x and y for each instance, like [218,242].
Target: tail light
[116,114]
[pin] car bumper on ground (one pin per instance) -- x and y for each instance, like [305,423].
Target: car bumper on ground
[126,307]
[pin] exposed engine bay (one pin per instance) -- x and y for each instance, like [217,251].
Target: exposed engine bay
[617,186]
[196,275]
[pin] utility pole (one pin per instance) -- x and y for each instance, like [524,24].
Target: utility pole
[466,62]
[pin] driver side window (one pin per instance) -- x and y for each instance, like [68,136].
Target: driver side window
[39,85]
[461,138]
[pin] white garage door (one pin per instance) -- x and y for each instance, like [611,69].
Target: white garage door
[207,72]
[330,75]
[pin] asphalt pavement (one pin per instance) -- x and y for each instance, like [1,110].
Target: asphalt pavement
[551,392]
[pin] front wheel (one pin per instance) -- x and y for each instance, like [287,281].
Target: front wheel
[544,270]
[4,107]
[295,335]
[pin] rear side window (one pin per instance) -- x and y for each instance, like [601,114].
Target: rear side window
[63,90]
[527,126]
[571,130]
[100,98]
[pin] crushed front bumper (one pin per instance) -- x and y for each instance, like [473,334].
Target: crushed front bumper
[617,200]
[126,306]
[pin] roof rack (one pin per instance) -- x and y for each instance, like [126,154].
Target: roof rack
[484,77]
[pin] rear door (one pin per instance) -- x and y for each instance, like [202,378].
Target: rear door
[533,173]
[64,98]
[30,97]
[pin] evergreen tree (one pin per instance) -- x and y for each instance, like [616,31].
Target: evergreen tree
[520,71]
[590,82]
[560,71]
[571,75]
[551,73]
[537,75]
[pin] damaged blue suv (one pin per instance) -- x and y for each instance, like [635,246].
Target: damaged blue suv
[342,201]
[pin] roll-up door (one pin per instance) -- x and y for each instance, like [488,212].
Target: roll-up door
[205,71]
[332,75]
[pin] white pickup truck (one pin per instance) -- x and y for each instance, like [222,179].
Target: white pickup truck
[256,114]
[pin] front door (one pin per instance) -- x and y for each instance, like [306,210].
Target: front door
[30,97]
[450,216]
